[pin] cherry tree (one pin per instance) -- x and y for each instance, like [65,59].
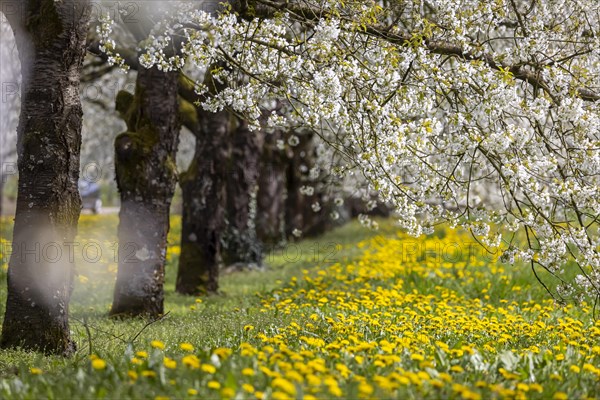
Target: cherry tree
[474,113]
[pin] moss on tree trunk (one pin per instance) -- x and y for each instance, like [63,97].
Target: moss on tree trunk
[146,178]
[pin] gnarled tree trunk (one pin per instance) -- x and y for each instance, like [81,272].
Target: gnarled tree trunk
[146,177]
[51,41]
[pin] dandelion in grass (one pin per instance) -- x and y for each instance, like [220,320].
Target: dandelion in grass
[98,364]
[157,344]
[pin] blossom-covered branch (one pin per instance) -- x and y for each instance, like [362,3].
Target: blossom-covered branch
[484,115]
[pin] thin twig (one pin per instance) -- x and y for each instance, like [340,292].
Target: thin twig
[148,324]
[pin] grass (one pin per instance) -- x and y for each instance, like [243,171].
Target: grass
[352,314]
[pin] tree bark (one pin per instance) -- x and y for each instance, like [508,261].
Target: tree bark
[270,218]
[146,177]
[240,242]
[299,212]
[51,42]
[203,186]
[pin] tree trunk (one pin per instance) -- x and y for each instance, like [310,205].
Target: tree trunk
[299,207]
[241,244]
[51,41]
[270,221]
[146,176]
[203,186]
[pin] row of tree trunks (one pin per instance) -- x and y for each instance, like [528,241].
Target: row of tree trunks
[226,200]
[51,38]
[146,176]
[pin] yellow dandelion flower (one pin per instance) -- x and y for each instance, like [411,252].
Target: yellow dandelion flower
[169,363]
[335,390]
[141,354]
[248,328]
[437,383]
[35,371]
[523,387]
[285,385]
[186,347]
[248,372]
[98,364]
[575,369]
[248,388]
[191,361]
[536,387]
[213,385]
[136,361]
[149,374]
[157,344]
[192,392]
[280,396]
[469,395]
[132,375]
[587,367]
[222,352]
[208,368]
[560,396]
[365,389]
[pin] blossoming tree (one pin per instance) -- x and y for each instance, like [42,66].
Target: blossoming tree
[481,114]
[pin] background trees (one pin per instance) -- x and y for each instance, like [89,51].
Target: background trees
[431,103]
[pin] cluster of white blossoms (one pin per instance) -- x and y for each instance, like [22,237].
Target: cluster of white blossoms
[104,29]
[484,114]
